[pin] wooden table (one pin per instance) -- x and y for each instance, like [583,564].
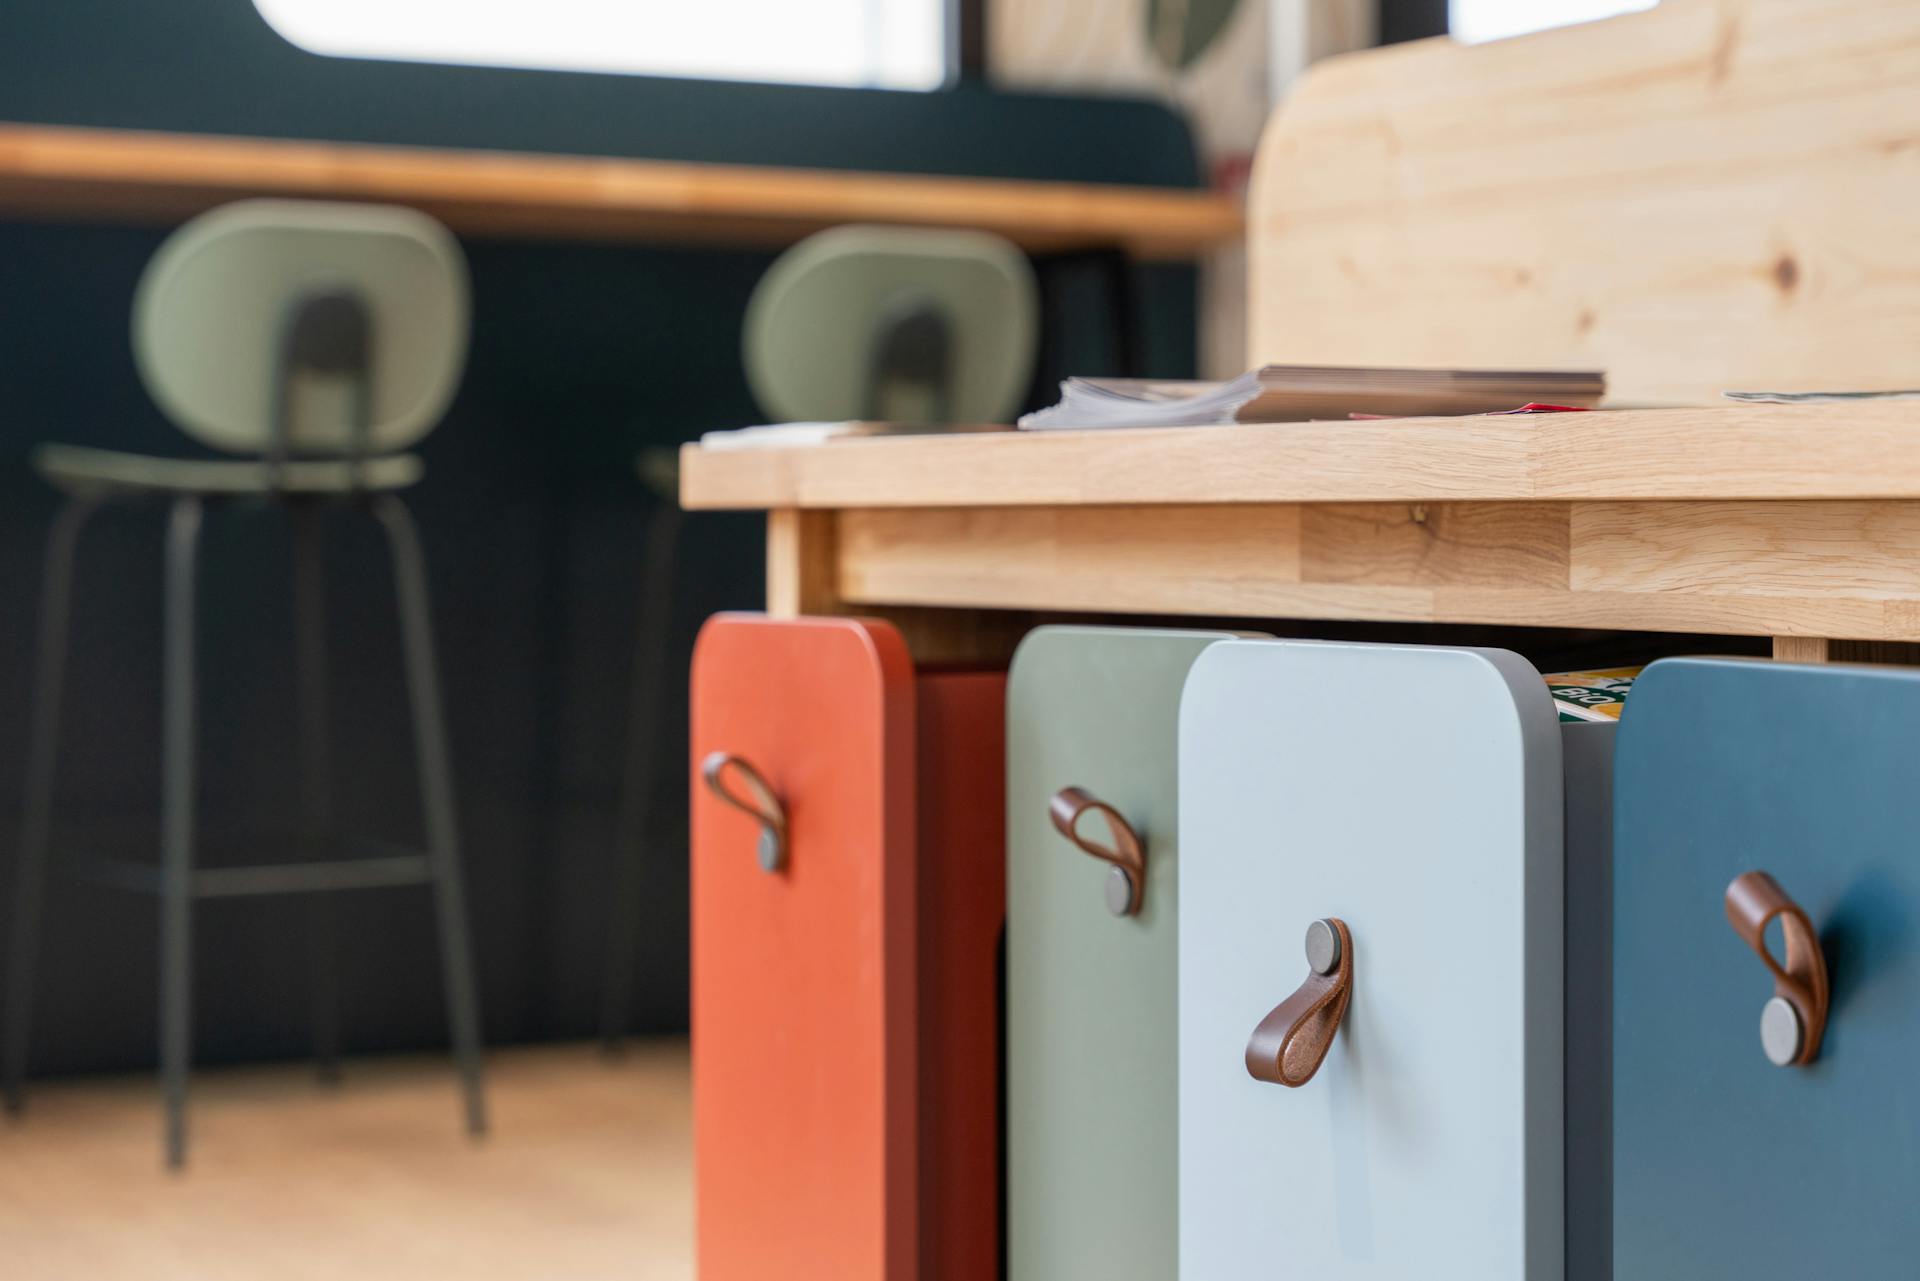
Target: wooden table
[1800,523]
[124,175]
[1708,195]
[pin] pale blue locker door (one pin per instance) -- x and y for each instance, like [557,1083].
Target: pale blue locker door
[1416,795]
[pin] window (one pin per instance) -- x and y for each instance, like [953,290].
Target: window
[1476,20]
[899,44]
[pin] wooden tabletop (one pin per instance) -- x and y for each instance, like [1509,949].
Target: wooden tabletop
[131,176]
[1699,197]
[1762,520]
[1843,451]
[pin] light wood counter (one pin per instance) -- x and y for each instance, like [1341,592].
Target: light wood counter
[1762,520]
[1740,451]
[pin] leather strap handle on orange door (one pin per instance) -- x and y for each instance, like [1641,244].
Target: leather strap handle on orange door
[758,803]
[1292,1041]
[1127,880]
[1793,1021]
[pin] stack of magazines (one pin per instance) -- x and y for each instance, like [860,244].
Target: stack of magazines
[1295,393]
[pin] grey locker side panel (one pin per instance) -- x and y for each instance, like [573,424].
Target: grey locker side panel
[1587,750]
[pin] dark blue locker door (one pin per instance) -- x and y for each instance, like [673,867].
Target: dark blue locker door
[1726,1166]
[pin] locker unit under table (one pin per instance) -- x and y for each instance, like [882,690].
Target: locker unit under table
[1701,197]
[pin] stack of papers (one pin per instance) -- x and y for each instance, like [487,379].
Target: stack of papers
[1816,397]
[775,435]
[1294,393]
[787,435]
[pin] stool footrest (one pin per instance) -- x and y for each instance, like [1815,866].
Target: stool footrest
[268,878]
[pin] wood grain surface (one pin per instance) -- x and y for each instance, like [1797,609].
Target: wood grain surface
[1712,194]
[1844,451]
[1838,569]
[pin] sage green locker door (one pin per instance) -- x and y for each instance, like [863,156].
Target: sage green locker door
[1091,1089]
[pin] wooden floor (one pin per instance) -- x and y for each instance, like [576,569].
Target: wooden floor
[587,1174]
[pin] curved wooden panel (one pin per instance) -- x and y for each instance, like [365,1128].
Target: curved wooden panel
[1709,195]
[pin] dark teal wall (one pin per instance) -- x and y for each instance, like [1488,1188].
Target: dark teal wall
[582,354]
[216,66]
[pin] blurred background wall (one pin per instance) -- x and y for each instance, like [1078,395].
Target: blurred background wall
[583,353]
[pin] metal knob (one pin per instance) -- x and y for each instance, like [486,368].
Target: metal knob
[1323,947]
[1781,1033]
[769,850]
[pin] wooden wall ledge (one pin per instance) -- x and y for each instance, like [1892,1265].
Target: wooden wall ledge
[133,176]
[1757,452]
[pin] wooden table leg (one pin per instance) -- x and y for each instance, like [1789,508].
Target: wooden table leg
[1800,649]
[802,573]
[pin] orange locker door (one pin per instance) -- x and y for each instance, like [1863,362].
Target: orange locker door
[804,951]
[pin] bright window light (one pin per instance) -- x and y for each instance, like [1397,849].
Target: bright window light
[898,44]
[1475,20]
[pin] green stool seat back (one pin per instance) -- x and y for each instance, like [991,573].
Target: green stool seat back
[817,315]
[210,316]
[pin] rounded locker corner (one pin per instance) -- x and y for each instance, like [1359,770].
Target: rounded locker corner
[1656,677]
[1038,647]
[892,661]
[1219,666]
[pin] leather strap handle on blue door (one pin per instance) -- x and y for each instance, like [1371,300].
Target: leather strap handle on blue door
[1127,879]
[1292,1041]
[1793,1021]
[760,804]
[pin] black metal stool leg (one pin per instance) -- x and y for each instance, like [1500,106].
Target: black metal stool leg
[56,597]
[316,776]
[176,825]
[636,785]
[436,784]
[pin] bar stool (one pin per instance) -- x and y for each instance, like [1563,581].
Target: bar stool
[319,341]
[894,324]
[883,324]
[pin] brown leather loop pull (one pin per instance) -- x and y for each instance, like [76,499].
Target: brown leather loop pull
[1794,1021]
[760,803]
[1292,1041]
[1127,882]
